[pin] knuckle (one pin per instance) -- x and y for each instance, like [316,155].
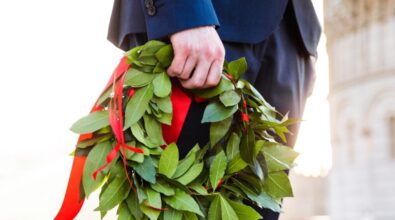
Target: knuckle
[209,53]
[212,82]
[219,53]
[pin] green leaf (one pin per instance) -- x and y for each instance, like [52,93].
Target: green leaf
[182,201]
[197,187]
[139,134]
[165,55]
[214,212]
[232,147]
[230,98]
[96,158]
[236,164]
[227,212]
[191,174]
[279,157]
[149,61]
[137,105]
[223,85]
[164,104]
[133,205]
[150,212]
[162,85]
[104,96]
[137,78]
[153,198]
[189,216]
[146,169]
[217,169]
[172,214]
[262,199]
[237,67]
[277,185]
[169,160]
[215,111]
[166,118]
[94,140]
[219,129]
[253,182]
[92,122]
[266,201]
[184,165]
[163,187]
[154,130]
[247,147]
[115,193]
[243,211]
[124,213]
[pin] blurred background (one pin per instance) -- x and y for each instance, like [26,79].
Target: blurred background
[55,60]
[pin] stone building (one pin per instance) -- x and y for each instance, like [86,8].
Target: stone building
[361,50]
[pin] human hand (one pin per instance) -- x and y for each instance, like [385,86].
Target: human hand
[199,51]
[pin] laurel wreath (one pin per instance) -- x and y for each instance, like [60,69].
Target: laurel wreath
[147,180]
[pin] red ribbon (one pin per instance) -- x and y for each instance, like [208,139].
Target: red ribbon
[181,101]
[116,123]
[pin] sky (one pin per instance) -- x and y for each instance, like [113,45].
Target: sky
[54,61]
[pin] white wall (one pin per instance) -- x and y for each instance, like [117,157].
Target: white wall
[54,62]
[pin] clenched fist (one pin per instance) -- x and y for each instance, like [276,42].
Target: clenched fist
[198,57]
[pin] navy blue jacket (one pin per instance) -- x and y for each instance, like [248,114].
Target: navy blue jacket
[245,21]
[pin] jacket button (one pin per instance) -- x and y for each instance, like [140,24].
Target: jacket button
[151,10]
[149,3]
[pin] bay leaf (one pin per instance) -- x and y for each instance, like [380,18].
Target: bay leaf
[146,169]
[154,130]
[217,169]
[163,187]
[279,157]
[277,185]
[214,211]
[92,122]
[137,105]
[215,111]
[219,129]
[227,212]
[243,211]
[247,146]
[232,147]
[124,213]
[164,104]
[237,67]
[183,201]
[133,204]
[137,78]
[96,158]
[172,214]
[169,160]
[162,85]
[236,164]
[184,165]
[153,198]
[191,174]
[230,98]
[117,190]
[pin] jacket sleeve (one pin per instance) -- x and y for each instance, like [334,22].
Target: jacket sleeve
[165,17]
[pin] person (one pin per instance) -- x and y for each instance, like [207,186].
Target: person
[278,38]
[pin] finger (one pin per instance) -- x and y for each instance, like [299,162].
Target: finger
[188,67]
[214,75]
[199,75]
[177,65]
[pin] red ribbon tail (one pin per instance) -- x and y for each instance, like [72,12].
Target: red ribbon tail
[71,203]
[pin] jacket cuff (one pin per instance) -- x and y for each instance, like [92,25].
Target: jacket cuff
[165,17]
